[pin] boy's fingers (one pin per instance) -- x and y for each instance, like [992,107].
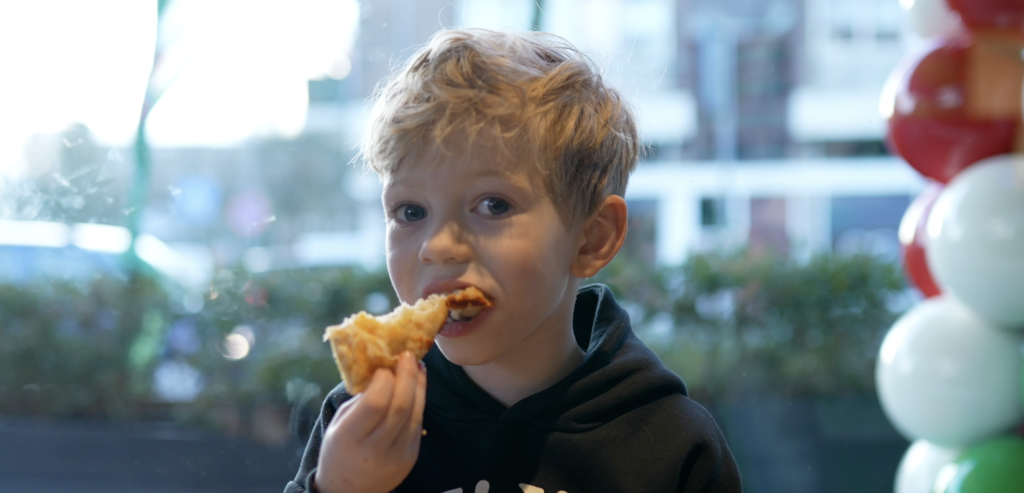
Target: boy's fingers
[367,414]
[344,409]
[401,403]
[414,432]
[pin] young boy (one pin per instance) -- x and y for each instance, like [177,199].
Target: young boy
[504,158]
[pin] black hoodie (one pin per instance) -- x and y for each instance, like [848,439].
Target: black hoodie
[621,421]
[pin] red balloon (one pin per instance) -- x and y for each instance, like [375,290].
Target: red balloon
[932,125]
[990,14]
[912,237]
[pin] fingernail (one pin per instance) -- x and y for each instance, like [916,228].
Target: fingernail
[423,367]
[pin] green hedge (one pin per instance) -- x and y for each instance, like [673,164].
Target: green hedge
[745,324]
[730,324]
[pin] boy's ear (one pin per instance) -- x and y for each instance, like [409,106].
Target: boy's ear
[601,238]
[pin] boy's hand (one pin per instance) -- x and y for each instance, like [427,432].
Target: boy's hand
[373,440]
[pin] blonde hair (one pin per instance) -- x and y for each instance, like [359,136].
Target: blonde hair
[534,91]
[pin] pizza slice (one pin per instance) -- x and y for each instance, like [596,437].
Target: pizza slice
[362,343]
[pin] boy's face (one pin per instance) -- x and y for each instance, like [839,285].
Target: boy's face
[472,219]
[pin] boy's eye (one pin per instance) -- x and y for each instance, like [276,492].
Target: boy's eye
[494,206]
[411,213]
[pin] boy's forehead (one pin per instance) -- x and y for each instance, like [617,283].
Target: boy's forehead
[458,175]
[468,162]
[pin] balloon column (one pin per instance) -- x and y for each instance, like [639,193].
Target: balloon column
[950,372]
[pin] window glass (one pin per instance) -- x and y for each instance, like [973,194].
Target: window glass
[183,211]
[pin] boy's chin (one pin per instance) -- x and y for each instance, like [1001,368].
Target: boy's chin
[460,353]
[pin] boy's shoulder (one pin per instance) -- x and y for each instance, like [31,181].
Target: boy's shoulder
[632,378]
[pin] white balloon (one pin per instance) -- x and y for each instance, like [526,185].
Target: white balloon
[975,236]
[948,376]
[920,466]
[931,17]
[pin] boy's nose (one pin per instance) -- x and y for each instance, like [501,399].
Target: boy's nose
[445,245]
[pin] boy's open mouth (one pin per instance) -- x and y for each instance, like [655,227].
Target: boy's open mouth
[463,320]
[462,308]
[464,313]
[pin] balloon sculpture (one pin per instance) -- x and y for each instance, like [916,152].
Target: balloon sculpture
[912,236]
[950,372]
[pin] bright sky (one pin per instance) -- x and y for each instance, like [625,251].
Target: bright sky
[239,68]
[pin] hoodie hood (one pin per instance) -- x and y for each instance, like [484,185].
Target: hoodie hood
[618,374]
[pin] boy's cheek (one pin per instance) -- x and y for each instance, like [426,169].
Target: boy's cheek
[401,273]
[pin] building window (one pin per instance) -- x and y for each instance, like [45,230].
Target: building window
[868,225]
[712,212]
[842,19]
[864,21]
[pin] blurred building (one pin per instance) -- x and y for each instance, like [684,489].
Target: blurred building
[789,153]
[762,115]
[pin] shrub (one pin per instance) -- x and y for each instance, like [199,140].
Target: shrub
[744,323]
[729,324]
